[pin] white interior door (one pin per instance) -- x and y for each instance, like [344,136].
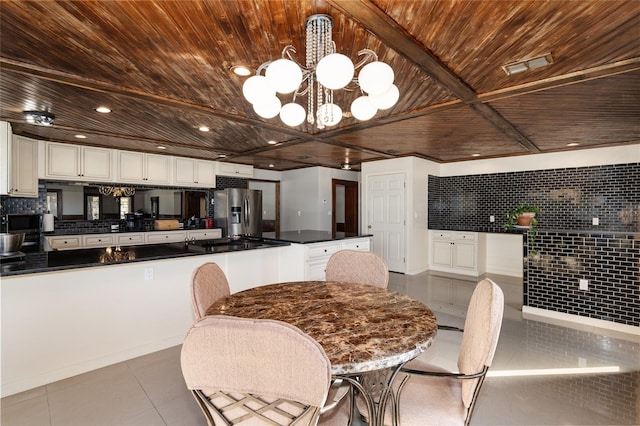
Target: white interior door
[386,218]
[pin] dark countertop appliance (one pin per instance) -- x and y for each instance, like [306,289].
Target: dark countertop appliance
[238,212]
[27,224]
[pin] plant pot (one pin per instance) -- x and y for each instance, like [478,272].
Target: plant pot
[525,219]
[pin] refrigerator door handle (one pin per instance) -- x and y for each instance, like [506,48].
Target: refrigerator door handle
[247,210]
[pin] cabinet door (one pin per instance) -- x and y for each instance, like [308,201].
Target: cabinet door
[131,166]
[442,253]
[24,167]
[464,255]
[96,164]
[184,172]
[62,161]
[205,173]
[157,168]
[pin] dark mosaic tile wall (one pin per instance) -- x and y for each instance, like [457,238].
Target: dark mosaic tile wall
[610,263]
[568,246]
[568,198]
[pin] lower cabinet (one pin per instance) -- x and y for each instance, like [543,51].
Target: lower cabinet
[74,242]
[317,255]
[458,252]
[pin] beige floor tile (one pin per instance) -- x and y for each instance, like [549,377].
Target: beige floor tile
[182,411]
[24,396]
[33,411]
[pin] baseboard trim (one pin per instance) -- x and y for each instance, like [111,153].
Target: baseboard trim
[623,331]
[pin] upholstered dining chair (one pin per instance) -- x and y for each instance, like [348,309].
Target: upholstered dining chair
[430,395]
[358,267]
[208,284]
[256,372]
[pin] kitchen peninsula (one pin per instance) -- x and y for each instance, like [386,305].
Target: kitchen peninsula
[67,317]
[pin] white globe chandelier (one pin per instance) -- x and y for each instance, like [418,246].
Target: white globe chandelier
[324,71]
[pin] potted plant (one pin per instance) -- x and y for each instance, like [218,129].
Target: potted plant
[524,216]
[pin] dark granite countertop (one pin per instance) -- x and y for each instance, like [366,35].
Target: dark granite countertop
[84,258]
[310,236]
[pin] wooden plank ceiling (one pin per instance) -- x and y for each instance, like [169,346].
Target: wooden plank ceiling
[164,68]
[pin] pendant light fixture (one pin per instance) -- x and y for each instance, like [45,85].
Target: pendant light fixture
[324,71]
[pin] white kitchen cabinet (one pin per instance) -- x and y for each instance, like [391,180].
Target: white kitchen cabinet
[139,167]
[191,172]
[165,237]
[204,234]
[23,170]
[458,252]
[317,255]
[98,240]
[63,242]
[129,239]
[232,169]
[78,163]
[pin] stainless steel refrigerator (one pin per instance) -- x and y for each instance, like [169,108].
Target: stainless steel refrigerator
[238,212]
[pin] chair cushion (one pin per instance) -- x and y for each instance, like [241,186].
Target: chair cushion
[431,401]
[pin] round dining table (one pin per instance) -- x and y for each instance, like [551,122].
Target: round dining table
[367,332]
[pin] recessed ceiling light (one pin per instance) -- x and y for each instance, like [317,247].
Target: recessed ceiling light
[271,165]
[241,70]
[573,144]
[345,166]
[103,110]
[80,136]
[204,128]
[161,147]
[222,155]
[272,142]
[475,155]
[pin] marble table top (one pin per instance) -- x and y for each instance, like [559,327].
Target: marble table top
[360,327]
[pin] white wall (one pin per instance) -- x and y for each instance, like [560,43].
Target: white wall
[308,191]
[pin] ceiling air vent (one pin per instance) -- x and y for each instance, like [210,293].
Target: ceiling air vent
[528,64]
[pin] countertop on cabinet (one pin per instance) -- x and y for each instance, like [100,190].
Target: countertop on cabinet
[310,236]
[84,258]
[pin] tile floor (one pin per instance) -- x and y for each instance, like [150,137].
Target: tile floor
[150,391]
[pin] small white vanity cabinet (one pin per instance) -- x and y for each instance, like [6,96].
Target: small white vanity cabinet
[458,252]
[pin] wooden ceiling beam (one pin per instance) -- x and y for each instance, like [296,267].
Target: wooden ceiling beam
[395,37]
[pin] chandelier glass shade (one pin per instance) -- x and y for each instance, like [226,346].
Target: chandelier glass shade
[117,191]
[323,72]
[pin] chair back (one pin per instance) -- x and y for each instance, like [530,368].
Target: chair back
[480,337]
[208,284]
[262,363]
[358,267]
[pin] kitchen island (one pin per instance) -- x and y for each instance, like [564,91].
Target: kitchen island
[65,317]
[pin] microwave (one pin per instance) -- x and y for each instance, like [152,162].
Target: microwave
[27,223]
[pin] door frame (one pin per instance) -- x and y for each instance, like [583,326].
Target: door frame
[277,200]
[351,203]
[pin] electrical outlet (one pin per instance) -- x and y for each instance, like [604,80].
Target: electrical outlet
[148,274]
[492,218]
[584,284]
[595,221]
[299,213]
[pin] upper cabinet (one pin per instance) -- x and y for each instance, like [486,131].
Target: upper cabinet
[74,162]
[18,164]
[23,173]
[139,167]
[237,170]
[191,172]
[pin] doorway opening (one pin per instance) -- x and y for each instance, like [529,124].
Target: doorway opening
[344,207]
[270,203]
